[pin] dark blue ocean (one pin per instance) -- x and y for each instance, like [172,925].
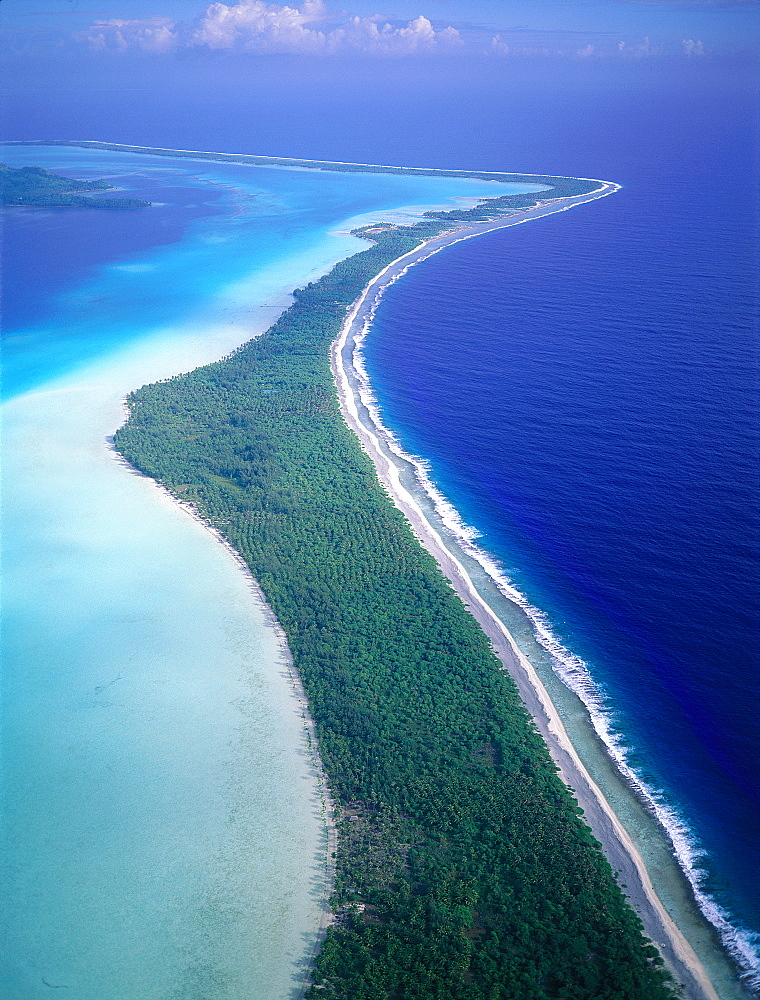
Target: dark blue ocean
[584,387]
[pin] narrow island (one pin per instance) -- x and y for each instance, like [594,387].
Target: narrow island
[463,866]
[33,187]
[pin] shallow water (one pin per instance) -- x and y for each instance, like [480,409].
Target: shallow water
[154,754]
[163,822]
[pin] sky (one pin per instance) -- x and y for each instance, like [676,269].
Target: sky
[450,83]
[501,29]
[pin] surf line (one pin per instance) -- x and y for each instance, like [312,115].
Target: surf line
[363,419]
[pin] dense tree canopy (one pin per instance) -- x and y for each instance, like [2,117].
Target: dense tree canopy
[33,187]
[464,869]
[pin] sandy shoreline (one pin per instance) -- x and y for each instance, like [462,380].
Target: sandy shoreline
[327,805]
[618,845]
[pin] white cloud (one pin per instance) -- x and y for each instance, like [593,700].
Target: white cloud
[692,47]
[153,34]
[369,34]
[641,51]
[257,26]
[499,47]
[306,27]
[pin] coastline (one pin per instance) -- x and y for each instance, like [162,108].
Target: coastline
[539,702]
[290,163]
[357,410]
[128,364]
[114,700]
[420,253]
[310,748]
[327,803]
[328,812]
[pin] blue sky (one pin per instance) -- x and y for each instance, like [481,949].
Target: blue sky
[632,29]
[425,82]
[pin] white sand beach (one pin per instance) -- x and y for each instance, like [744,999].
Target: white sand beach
[620,850]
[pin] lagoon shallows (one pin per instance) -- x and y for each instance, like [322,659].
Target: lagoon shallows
[164,834]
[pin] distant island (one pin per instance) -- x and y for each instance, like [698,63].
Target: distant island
[289,163]
[34,187]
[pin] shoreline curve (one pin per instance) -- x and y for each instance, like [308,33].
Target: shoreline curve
[376,441]
[605,823]
[327,803]
[289,162]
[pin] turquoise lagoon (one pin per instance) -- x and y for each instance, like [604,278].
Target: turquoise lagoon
[163,818]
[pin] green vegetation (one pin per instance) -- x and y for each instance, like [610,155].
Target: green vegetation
[508,204]
[464,870]
[38,188]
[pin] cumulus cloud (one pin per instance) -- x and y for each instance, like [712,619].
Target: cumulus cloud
[499,47]
[253,24]
[259,26]
[642,50]
[368,34]
[307,27]
[153,34]
[692,47]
